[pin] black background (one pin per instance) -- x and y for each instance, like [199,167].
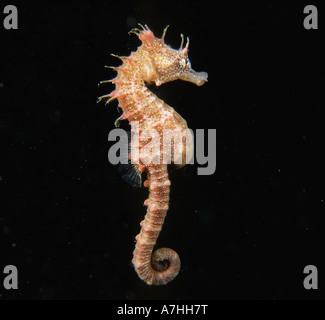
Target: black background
[68,221]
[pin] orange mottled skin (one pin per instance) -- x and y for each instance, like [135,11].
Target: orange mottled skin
[153,62]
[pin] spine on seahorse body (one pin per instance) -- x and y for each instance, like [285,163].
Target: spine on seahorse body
[156,62]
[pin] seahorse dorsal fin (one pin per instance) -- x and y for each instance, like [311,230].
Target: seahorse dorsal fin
[130,173]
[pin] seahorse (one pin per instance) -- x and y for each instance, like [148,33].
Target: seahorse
[153,62]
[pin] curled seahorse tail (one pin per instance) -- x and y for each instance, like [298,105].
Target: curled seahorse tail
[167,264]
[163,265]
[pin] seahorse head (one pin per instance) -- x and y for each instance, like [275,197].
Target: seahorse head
[164,64]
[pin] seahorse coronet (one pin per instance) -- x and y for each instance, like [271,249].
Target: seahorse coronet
[153,62]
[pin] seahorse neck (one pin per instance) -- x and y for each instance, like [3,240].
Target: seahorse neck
[135,99]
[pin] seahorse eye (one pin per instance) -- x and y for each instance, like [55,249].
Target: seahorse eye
[185,63]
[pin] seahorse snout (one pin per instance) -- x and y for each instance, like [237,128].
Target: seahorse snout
[198,78]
